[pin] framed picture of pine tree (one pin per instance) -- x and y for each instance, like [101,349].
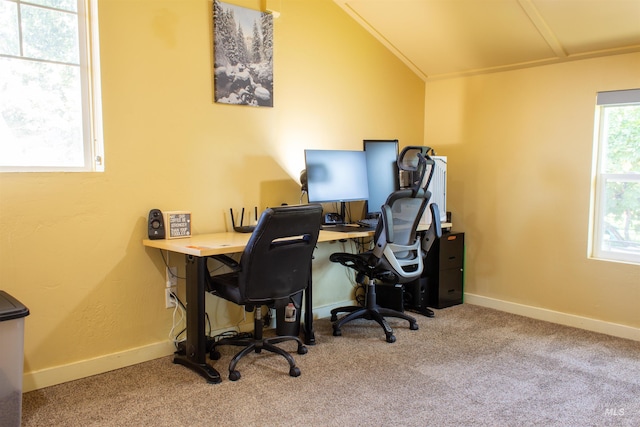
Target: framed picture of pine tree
[243,55]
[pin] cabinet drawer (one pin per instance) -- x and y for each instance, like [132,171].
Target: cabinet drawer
[451,250]
[450,288]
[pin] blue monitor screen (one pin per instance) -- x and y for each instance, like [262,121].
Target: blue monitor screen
[336,175]
[382,171]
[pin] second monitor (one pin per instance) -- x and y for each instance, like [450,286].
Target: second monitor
[382,172]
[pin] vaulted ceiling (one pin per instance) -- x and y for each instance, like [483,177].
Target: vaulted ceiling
[448,38]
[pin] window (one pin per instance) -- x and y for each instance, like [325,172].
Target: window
[616,199]
[50,115]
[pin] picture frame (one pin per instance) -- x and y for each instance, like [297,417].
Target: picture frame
[243,55]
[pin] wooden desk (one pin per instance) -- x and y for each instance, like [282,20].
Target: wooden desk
[204,245]
[196,250]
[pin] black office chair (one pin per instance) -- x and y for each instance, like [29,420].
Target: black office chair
[275,266]
[397,256]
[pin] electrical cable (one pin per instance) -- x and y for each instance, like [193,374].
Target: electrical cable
[166,264]
[232,334]
[360,294]
[179,308]
[178,301]
[206,316]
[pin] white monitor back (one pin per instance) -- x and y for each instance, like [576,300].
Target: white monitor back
[438,189]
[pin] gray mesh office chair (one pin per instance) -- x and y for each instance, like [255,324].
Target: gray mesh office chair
[275,266]
[397,256]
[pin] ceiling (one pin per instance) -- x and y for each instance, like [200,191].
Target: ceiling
[450,38]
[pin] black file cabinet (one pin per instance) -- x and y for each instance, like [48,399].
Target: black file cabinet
[444,271]
[441,284]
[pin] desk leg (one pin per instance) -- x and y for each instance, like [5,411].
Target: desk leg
[194,354]
[307,329]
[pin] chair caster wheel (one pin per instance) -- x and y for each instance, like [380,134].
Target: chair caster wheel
[234,375]
[413,326]
[391,338]
[302,350]
[214,355]
[337,333]
[294,371]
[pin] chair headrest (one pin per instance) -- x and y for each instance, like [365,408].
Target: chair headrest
[416,159]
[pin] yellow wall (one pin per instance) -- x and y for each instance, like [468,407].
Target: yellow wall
[70,243]
[520,155]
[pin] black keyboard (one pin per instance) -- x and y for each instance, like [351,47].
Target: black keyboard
[341,228]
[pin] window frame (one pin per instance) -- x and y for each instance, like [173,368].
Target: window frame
[598,227]
[91,93]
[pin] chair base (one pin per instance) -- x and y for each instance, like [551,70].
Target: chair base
[371,311]
[257,345]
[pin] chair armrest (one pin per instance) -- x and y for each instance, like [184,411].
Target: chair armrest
[359,262]
[435,229]
[233,265]
[228,261]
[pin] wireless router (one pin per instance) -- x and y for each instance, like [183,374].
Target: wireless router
[243,228]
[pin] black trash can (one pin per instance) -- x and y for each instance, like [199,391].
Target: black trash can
[12,314]
[288,317]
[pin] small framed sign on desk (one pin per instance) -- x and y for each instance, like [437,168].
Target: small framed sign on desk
[178,224]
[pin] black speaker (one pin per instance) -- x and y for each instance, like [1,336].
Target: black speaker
[156,224]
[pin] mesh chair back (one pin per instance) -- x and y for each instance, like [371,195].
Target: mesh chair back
[276,262]
[397,245]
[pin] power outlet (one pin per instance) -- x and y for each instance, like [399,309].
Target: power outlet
[169,302]
[172,276]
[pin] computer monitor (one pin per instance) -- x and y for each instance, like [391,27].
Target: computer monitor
[382,172]
[336,175]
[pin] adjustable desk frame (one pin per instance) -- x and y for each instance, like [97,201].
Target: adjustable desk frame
[196,250]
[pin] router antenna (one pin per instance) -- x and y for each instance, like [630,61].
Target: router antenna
[233,222]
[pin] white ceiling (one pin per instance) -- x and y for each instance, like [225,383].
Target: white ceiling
[448,38]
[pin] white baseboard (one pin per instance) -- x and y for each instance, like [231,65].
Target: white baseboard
[60,374]
[325,310]
[85,368]
[594,325]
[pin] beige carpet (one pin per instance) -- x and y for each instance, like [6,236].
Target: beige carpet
[468,366]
